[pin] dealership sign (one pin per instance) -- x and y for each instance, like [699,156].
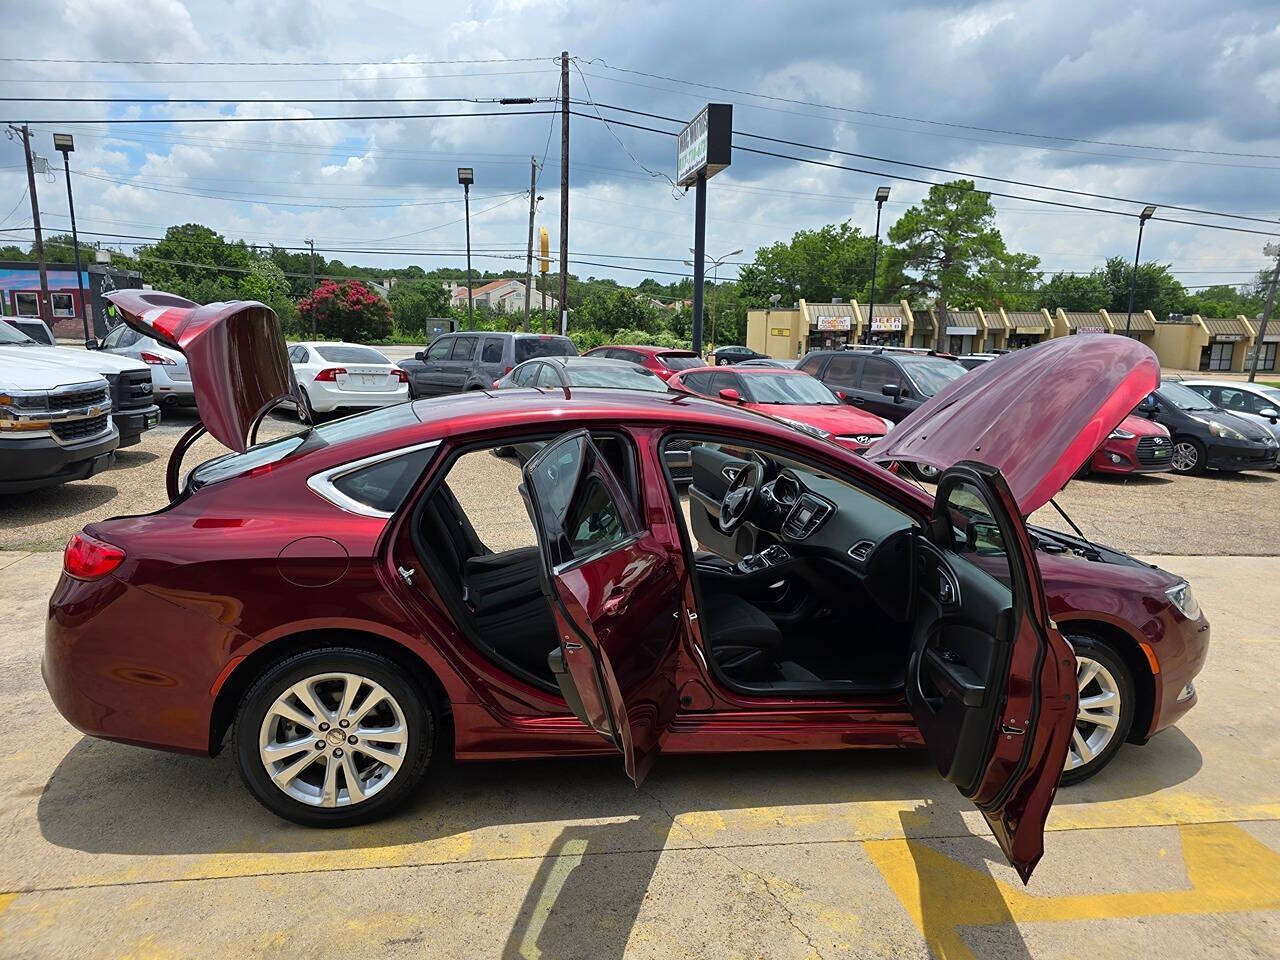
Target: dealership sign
[704,147]
[885,324]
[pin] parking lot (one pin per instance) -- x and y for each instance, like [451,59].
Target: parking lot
[1175,848]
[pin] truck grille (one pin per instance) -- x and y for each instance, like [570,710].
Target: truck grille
[68,431]
[130,389]
[83,397]
[1154,450]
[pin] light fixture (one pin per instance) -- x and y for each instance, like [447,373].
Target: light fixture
[1148,212]
[466,176]
[882,194]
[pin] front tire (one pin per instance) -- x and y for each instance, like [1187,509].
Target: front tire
[1188,455]
[1105,712]
[334,737]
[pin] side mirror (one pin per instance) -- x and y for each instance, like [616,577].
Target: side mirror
[893,390]
[841,395]
[93,343]
[420,355]
[730,394]
[1149,407]
[1271,413]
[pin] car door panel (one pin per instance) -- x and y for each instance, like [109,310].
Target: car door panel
[616,591]
[713,468]
[990,681]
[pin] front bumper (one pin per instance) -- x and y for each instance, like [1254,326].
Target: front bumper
[1108,460]
[35,462]
[132,423]
[1240,455]
[1181,654]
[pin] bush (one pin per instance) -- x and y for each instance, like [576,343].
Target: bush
[349,311]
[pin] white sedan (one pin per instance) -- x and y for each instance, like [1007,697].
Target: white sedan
[346,375]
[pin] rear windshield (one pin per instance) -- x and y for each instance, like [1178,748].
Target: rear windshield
[680,361]
[529,347]
[622,376]
[315,438]
[349,353]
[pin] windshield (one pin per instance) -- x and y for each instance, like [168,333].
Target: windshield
[1184,398]
[1272,395]
[529,347]
[349,353]
[680,361]
[8,335]
[787,388]
[931,374]
[622,377]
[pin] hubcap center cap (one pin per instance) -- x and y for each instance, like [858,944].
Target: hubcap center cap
[336,737]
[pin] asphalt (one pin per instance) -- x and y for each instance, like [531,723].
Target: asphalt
[115,851]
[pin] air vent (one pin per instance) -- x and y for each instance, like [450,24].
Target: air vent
[861,550]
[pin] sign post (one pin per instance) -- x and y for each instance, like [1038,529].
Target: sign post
[703,149]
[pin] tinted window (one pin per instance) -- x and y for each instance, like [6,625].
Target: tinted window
[529,347]
[349,353]
[464,348]
[680,361]
[724,381]
[439,350]
[877,372]
[786,388]
[492,351]
[975,533]
[931,374]
[623,378]
[129,337]
[9,333]
[383,486]
[523,375]
[843,370]
[810,365]
[698,383]
[581,509]
[112,339]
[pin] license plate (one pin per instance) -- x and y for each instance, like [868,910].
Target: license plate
[367,381]
[152,419]
[1161,452]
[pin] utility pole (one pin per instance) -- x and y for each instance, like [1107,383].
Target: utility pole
[1271,250]
[528,268]
[45,314]
[1147,213]
[882,194]
[312,245]
[564,190]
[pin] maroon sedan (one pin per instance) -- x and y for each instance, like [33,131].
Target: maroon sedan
[663,361]
[338,602]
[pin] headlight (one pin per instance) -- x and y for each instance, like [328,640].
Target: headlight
[1119,433]
[1181,596]
[808,428]
[17,410]
[1221,430]
[888,425]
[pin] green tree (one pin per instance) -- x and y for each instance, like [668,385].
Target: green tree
[953,253]
[414,302]
[1074,292]
[1226,301]
[347,311]
[610,310]
[818,265]
[265,282]
[1156,290]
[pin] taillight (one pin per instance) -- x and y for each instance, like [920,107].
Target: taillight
[401,375]
[330,374]
[88,558]
[156,360]
[509,369]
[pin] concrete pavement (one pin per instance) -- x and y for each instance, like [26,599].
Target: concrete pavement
[1175,849]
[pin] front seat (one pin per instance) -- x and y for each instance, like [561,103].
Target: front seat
[743,641]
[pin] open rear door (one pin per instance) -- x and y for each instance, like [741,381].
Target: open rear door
[990,680]
[616,594]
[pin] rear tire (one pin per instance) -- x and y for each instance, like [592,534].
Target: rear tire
[305,413]
[302,701]
[1102,724]
[1188,455]
[925,473]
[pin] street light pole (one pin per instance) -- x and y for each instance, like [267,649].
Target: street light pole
[716,264]
[466,176]
[1147,212]
[1271,250]
[65,144]
[882,194]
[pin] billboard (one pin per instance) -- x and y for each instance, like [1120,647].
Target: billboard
[705,146]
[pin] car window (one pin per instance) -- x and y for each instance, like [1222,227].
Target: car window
[349,353]
[547,376]
[787,388]
[543,346]
[384,485]
[439,349]
[877,372]
[129,337]
[931,374]
[810,365]
[464,348]
[844,370]
[724,381]
[492,350]
[680,361]
[697,383]
[631,377]
[975,533]
[112,339]
[297,354]
[1182,397]
[1256,403]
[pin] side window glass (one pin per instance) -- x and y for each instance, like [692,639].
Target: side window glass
[843,371]
[975,534]
[383,486]
[877,372]
[492,352]
[112,339]
[698,383]
[464,348]
[724,381]
[547,377]
[439,350]
[129,337]
[1257,403]
[582,509]
[810,365]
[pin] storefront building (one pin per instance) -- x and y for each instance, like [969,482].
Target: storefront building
[995,327]
[830,326]
[1069,324]
[776,333]
[20,294]
[1142,324]
[962,331]
[923,329]
[1027,328]
[889,326]
[1211,344]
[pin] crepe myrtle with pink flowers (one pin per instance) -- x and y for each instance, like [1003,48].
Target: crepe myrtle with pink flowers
[346,311]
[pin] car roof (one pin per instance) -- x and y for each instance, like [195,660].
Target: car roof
[641,348]
[584,361]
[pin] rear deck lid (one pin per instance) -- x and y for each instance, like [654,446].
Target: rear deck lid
[1036,415]
[235,351]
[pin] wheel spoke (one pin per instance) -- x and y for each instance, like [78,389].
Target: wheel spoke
[1103,699]
[307,697]
[396,734]
[1086,671]
[375,697]
[290,773]
[1081,745]
[350,689]
[392,760]
[1108,720]
[275,752]
[355,793]
[282,708]
[329,794]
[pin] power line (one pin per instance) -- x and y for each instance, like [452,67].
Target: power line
[307,80]
[232,119]
[240,100]
[278,63]
[939,123]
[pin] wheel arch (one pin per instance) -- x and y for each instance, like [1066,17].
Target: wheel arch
[252,667]
[1124,643]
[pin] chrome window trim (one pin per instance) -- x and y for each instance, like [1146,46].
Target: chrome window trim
[322,483]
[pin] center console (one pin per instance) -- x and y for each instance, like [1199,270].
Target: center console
[766,558]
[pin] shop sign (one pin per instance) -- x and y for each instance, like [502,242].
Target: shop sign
[885,324]
[834,323]
[962,331]
[779,331]
[1228,338]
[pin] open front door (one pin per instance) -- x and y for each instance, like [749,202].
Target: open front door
[616,594]
[990,680]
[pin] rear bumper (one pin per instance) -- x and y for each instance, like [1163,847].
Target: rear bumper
[328,400]
[167,389]
[1234,455]
[36,462]
[132,423]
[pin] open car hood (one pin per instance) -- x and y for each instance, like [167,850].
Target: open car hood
[236,353]
[1036,415]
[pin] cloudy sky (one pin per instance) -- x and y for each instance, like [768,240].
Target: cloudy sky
[1171,102]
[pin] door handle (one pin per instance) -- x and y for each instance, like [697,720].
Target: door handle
[858,400]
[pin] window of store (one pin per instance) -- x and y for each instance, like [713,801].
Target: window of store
[63,304]
[1267,356]
[26,304]
[1217,356]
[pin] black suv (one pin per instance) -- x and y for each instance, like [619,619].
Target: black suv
[1204,436]
[887,383]
[473,361]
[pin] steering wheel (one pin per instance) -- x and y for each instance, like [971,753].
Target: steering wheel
[741,494]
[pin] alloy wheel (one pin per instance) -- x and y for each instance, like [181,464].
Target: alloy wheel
[1185,457]
[1098,714]
[333,740]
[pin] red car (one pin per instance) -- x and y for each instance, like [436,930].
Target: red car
[791,395]
[661,360]
[1138,445]
[338,602]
